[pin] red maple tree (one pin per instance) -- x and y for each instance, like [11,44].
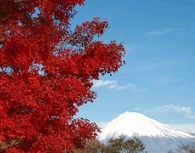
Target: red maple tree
[46,73]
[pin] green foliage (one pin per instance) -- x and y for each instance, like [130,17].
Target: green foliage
[192,151]
[122,144]
[118,145]
[91,146]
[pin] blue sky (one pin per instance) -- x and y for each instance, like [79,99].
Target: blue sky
[158,79]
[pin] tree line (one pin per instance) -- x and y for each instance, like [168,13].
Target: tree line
[113,145]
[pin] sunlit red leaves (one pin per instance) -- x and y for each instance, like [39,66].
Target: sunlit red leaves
[60,10]
[86,32]
[46,73]
[106,58]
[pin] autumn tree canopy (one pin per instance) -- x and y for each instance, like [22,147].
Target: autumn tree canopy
[46,73]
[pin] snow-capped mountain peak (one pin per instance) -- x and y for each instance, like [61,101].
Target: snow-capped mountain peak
[157,137]
[136,124]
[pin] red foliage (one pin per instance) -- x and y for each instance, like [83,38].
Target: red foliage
[46,73]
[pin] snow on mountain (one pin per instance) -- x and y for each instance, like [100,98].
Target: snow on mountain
[156,136]
[136,124]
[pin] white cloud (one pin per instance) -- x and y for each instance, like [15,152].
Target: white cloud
[112,84]
[185,110]
[189,128]
[160,32]
[123,87]
[102,124]
[101,83]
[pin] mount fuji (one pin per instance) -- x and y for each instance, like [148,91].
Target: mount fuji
[157,137]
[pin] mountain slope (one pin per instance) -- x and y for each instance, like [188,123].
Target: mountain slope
[156,136]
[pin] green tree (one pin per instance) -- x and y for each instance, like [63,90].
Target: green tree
[91,146]
[114,145]
[123,144]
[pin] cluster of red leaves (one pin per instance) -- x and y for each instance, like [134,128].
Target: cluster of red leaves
[46,73]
